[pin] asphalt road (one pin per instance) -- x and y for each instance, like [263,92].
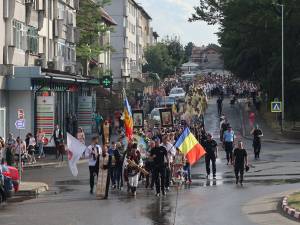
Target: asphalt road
[204,202]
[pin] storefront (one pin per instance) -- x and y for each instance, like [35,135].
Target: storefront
[49,99]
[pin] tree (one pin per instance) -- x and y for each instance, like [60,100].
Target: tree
[164,57]
[158,60]
[91,27]
[250,38]
[188,51]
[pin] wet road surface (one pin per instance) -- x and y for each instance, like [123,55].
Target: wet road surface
[205,202]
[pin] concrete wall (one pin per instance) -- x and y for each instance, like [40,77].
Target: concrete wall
[20,100]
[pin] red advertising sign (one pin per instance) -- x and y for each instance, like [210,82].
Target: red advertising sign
[21,114]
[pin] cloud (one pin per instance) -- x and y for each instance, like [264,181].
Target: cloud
[170,18]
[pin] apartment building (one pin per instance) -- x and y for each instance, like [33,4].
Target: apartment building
[207,57]
[38,71]
[129,39]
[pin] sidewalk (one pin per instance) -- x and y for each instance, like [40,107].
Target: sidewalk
[50,161]
[29,190]
[270,135]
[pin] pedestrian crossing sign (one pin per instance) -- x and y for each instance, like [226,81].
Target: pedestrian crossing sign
[276,107]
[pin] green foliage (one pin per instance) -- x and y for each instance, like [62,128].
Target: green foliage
[188,51]
[90,24]
[250,36]
[167,55]
[158,60]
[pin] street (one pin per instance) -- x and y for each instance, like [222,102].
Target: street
[205,202]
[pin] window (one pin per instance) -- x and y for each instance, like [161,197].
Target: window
[19,35]
[61,49]
[32,40]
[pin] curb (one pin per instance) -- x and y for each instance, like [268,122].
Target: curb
[34,191]
[51,164]
[288,210]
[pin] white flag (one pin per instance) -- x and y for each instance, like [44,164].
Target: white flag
[75,151]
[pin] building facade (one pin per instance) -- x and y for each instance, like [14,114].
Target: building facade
[129,39]
[38,70]
[207,57]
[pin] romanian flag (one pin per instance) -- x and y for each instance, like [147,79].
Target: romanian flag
[189,146]
[128,120]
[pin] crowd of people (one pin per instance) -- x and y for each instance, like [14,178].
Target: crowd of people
[155,160]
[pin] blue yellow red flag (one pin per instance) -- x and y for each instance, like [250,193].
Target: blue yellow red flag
[190,147]
[128,120]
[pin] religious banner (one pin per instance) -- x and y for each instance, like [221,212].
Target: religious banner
[85,113]
[45,116]
[138,118]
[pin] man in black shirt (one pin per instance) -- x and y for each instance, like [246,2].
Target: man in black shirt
[257,134]
[211,149]
[220,105]
[159,154]
[240,159]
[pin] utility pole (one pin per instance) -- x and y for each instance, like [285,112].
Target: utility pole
[282,69]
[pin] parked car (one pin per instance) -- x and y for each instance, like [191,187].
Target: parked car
[177,93]
[10,177]
[167,101]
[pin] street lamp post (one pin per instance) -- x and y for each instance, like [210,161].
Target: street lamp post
[282,68]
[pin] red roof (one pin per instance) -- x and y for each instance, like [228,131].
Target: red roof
[108,19]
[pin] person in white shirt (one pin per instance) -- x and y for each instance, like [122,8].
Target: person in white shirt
[31,148]
[171,154]
[93,151]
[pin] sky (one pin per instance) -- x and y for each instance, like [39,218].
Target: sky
[169,17]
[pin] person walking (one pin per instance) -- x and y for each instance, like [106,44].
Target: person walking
[40,137]
[158,154]
[98,122]
[31,147]
[211,148]
[93,151]
[228,139]
[20,151]
[2,189]
[112,151]
[10,145]
[171,154]
[257,134]
[133,170]
[220,105]
[80,135]
[149,167]
[57,136]
[240,160]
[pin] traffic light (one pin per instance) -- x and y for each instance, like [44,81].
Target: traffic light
[107,81]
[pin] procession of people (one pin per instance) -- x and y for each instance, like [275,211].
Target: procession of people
[149,156]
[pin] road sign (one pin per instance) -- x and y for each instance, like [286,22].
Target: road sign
[107,81]
[20,124]
[21,114]
[276,107]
